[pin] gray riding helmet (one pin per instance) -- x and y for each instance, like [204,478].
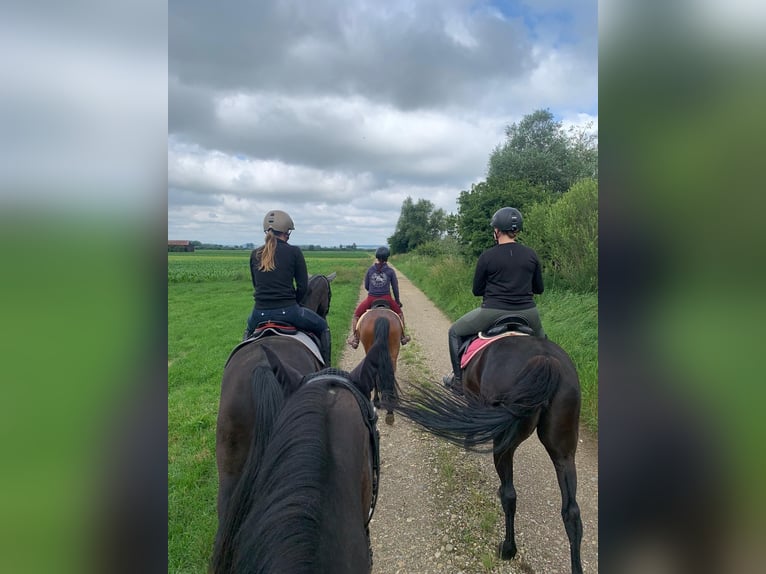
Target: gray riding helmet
[507,219]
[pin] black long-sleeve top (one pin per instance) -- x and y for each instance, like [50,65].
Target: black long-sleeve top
[507,275]
[275,289]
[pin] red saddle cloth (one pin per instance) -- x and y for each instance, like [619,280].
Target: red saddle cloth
[482,341]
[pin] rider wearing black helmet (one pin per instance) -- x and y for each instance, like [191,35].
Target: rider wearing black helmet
[379,281]
[280,280]
[506,277]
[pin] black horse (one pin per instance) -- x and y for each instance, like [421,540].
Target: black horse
[309,487]
[251,397]
[512,387]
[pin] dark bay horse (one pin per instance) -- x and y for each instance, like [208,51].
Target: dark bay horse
[368,324]
[251,396]
[512,387]
[308,489]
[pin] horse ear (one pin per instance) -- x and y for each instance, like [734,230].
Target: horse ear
[331,276]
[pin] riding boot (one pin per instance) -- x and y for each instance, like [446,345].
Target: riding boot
[405,338]
[454,381]
[353,338]
[325,345]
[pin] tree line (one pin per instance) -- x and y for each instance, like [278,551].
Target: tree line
[547,172]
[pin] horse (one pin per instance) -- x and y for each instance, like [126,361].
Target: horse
[251,396]
[307,494]
[513,386]
[367,325]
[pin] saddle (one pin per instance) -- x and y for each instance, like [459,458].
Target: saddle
[380,304]
[505,326]
[274,328]
[278,328]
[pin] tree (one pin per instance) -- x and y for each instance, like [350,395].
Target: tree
[418,223]
[477,206]
[540,152]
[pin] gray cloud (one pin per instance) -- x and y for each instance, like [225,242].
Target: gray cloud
[356,105]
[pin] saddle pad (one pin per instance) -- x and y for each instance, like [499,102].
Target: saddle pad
[300,336]
[482,341]
[381,309]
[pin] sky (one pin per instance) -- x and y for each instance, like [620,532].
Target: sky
[337,111]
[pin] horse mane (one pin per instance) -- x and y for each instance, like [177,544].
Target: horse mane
[281,530]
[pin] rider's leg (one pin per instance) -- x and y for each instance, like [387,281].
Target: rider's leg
[405,338]
[454,381]
[353,338]
[325,347]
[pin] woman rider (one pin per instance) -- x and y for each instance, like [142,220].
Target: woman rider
[280,279]
[506,276]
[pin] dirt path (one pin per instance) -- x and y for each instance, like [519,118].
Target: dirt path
[438,511]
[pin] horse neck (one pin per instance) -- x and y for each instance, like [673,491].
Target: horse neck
[316,296]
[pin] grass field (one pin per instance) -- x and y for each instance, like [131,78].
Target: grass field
[209,300]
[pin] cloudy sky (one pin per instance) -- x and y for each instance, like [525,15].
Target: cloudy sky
[337,111]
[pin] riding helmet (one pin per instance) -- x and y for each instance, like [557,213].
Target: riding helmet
[278,221]
[507,219]
[382,253]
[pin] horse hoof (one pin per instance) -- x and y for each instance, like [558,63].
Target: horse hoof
[506,551]
[389,418]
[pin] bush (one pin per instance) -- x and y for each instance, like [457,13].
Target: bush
[565,236]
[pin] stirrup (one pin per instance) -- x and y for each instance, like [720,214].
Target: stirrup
[456,386]
[353,341]
[405,339]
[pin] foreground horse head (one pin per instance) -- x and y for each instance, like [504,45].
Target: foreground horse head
[304,504]
[256,379]
[514,386]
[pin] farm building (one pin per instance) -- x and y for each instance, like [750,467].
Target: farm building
[178,245]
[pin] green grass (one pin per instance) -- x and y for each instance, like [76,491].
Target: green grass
[570,319]
[208,305]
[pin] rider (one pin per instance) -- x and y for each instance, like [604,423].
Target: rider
[506,276]
[379,281]
[274,266]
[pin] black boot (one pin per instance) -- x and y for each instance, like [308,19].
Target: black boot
[454,382]
[325,347]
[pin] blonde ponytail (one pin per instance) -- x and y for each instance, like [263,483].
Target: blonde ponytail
[266,253]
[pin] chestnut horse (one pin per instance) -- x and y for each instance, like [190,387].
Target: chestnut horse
[367,326]
[512,387]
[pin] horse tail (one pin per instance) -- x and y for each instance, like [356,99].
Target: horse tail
[385,374]
[470,422]
[268,400]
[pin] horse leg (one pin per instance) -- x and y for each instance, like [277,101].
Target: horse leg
[570,510]
[507,494]
[560,440]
